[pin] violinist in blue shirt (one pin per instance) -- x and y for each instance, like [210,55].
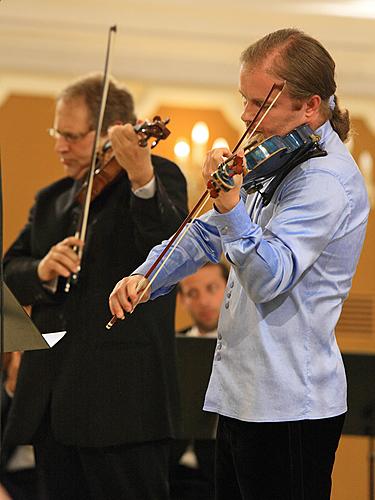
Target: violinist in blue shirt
[278,381]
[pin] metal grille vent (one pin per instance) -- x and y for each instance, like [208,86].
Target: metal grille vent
[357,317]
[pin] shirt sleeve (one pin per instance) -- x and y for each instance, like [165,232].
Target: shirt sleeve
[311,210]
[201,243]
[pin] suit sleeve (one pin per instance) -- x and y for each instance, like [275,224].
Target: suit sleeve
[158,218]
[20,269]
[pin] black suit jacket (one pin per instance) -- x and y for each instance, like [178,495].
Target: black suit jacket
[100,387]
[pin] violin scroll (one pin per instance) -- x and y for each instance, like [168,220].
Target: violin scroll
[222,178]
[157,129]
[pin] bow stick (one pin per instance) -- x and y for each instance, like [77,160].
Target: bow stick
[182,230]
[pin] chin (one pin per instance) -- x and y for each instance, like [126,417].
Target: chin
[207,328]
[69,172]
[73,171]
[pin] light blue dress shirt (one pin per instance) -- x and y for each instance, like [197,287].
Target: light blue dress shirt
[292,267]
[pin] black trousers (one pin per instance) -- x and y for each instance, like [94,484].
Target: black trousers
[276,461]
[126,472]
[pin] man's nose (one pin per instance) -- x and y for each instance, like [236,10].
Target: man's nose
[61,144]
[205,299]
[247,114]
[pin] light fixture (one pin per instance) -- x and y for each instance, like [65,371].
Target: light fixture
[220,142]
[181,149]
[200,133]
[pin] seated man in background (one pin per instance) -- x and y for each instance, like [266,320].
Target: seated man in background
[202,294]
[192,461]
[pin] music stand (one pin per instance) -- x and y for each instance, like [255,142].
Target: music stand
[20,333]
[360,419]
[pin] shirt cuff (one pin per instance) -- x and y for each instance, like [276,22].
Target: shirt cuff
[147,191]
[234,224]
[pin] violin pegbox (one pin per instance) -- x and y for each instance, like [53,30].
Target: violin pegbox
[222,178]
[156,129]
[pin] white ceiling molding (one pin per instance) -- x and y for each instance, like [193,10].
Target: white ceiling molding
[177,43]
[29,84]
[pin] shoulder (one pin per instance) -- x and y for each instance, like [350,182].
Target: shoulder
[55,188]
[163,166]
[169,176]
[331,184]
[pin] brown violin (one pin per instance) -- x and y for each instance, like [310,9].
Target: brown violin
[107,168]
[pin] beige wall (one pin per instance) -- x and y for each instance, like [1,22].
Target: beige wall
[28,159]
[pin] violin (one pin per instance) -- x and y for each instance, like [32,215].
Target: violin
[264,159]
[108,169]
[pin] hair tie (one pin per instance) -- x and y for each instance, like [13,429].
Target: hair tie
[331,102]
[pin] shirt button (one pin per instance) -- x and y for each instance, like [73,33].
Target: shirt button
[218,357]
[227,305]
[219,346]
[219,336]
[231,284]
[229,295]
[224,230]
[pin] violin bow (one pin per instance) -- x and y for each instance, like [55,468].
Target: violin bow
[196,210]
[81,233]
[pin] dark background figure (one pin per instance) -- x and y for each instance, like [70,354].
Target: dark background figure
[100,407]
[192,461]
[17,467]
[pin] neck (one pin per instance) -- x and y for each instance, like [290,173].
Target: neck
[317,121]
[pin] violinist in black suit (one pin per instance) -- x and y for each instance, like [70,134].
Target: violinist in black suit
[99,407]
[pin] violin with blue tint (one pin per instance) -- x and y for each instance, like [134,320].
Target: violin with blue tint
[266,159]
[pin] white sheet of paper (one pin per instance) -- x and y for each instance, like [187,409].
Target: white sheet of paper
[53,337]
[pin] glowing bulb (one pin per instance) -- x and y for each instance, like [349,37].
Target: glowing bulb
[181,149]
[350,144]
[200,133]
[220,142]
[365,161]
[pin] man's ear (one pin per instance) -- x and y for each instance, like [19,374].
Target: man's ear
[313,106]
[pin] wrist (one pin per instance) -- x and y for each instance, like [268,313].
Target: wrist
[224,206]
[39,271]
[138,181]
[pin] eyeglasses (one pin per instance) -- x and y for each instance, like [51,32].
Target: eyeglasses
[67,136]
